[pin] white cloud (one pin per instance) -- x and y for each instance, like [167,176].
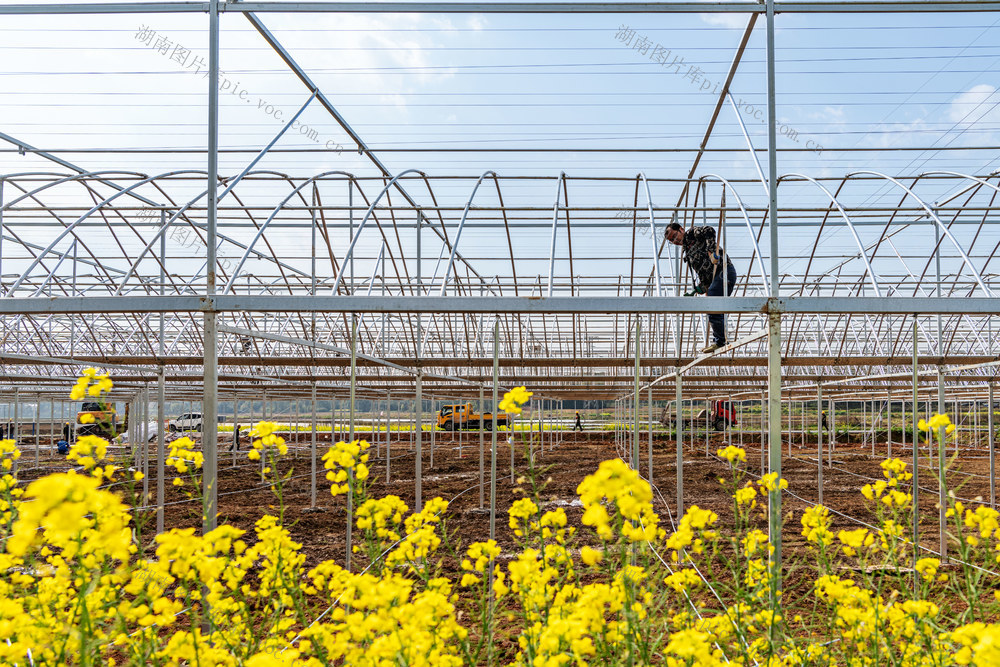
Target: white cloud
[979,104]
[886,135]
[830,114]
[475,22]
[731,20]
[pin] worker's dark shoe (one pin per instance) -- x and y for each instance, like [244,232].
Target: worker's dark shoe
[712,348]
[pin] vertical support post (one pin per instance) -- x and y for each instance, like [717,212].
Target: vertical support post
[541,425]
[763,433]
[819,440]
[708,426]
[803,406]
[161,425]
[15,436]
[38,427]
[678,401]
[145,444]
[915,489]
[992,436]
[693,420]
[649,402]
[975,429]
[888,422]
[418,409]
[388,436]
[741,423]
[774,441]
[510,438]
[482,411]
[350,432]
[902,424]
[434,431]
[864,423]
[235,445]
[354,376]
[210,430]
[942,482]
[263,416]
[53,429]
[312,448]
[493,454]
[789,427]
[135,415]
[774,319]
[635,403]
[493,459]
[298,416]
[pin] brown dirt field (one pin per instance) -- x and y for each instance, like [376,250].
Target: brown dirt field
[243,500]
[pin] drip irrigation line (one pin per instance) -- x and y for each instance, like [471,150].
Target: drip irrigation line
[244,490]
[875,479]
[694,566]
[377,559]
[868,525]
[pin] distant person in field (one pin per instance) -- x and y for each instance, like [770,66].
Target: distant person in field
[824,424]
[714,272]
[577,426]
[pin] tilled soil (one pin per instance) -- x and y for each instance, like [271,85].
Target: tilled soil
[454,476]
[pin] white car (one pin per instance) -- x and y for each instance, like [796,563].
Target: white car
[190,421]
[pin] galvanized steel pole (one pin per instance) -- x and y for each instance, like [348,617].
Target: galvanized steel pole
[388,437]
[350,431]
[774,446]
[482,411]
[915,489]
[418,409]
[493,455]
[209,421]
[819,440]
[679,442]
[635,405]
[161,425]
[649,401]
[992,436]
[312,449]
[774,319]
[942,482]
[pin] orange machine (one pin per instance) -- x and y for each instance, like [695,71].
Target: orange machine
[462,417]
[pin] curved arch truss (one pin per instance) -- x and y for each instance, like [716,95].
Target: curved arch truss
[865,234]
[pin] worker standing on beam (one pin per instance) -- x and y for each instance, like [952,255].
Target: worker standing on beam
[703,254]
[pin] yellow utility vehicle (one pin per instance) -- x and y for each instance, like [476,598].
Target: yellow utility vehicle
[459,417]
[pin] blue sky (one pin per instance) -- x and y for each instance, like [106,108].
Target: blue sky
[877,81]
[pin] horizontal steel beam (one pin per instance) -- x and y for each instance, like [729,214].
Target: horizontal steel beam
[831,305]
[819,7]
[521,363]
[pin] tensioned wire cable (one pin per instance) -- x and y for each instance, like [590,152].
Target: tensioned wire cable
[459,29]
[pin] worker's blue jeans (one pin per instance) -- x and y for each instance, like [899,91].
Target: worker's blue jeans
[718,321]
